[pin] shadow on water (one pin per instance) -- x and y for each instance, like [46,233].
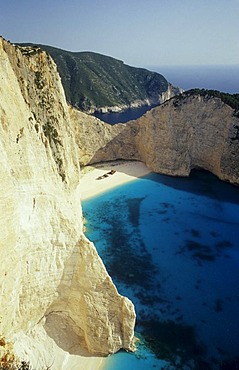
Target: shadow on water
[175,343]
[200,182]
[159,319]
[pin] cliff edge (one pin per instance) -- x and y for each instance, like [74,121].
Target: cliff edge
[194,130]
[57,299]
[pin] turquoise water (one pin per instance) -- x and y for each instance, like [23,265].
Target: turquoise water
[171,246]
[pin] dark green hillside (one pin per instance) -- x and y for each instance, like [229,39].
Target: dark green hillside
[92,80]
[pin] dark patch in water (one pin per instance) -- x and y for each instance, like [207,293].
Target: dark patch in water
[198,251]
[223,244]
[195,233]
[173,342]
[149,298]
[201,252]
[134,210]
[128,266]
[218,305]
[125,255]
[161,212]
[166,220]
[204,256]
[166,205]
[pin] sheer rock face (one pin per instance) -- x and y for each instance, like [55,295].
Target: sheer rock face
[52,279]
[174,138]
[99,142]
[192,132]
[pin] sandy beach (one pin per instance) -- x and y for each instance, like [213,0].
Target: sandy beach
[86,363]
[105,176]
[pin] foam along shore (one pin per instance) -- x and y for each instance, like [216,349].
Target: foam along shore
[105,176]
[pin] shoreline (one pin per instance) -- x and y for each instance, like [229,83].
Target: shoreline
[98,178]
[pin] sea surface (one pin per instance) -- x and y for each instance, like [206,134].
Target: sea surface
[224,78]
[123,117]
[171,245]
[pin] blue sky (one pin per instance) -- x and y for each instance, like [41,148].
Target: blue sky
[139,32]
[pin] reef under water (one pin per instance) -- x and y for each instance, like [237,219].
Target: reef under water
[171,246]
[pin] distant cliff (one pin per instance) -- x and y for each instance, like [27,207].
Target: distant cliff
[95,82]
[197,129]
[57,300]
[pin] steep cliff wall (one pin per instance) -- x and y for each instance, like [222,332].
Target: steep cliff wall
[99,142]
[186,132]
[191,132]
[55,292]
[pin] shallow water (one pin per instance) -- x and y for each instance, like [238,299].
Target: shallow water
[171,246]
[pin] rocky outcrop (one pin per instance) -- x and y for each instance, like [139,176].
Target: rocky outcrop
[55,292]
[187,132]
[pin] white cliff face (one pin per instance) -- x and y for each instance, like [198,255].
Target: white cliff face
[52,279]
[184,133]
[191,132]
[99,141]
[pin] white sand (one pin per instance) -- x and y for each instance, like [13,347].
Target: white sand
[84,363]
[125,172]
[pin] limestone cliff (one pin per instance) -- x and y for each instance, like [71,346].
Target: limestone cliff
[186,132]
[56,296]
[191,132]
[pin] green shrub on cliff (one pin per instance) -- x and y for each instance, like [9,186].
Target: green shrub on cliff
[230,99]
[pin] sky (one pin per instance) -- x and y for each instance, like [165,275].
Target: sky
[139,32]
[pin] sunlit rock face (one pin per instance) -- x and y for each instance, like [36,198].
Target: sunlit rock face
[55,292]
[184,133]
[191,132]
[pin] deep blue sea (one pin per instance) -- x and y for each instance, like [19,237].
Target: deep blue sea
[123,117]
[224,78]
[171,245]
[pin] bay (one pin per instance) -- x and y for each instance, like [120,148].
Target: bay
[171,246]
[123,117]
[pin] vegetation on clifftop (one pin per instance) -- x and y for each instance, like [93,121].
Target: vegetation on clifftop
[230,99]
[92,80]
